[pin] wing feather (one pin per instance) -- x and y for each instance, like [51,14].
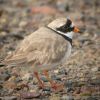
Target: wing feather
[41,47]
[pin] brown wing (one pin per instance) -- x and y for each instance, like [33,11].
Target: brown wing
[41,47]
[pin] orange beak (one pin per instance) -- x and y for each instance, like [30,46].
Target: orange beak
[76,30]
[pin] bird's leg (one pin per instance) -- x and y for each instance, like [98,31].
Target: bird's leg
[54,85]
[39,80]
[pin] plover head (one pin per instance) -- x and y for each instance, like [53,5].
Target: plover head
[64,26]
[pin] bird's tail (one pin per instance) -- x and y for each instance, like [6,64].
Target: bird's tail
[13,62]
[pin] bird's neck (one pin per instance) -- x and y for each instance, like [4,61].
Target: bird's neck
[68,34]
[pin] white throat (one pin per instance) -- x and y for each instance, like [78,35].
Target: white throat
[69,34]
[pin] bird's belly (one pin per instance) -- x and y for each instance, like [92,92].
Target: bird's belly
[56,64]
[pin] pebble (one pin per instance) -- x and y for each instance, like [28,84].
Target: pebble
[95,69]
[98,68]
[67,97]
[22,23]
[47,89]
[63,5]
[1,65]
[46,93]
[26,77]
[44,79]
[92,98]
[54,77]
[54,97]
[56,71]
[8,98]
[18,79]
[2,1]
[4,76]
[44,10]
[29,95]
[63,71]
[89,98]
[68,83]
[95,82]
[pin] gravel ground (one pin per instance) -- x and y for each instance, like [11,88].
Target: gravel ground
[80,75]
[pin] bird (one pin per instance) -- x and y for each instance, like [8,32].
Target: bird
[45,49]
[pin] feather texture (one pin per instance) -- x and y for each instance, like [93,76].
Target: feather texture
[42,47]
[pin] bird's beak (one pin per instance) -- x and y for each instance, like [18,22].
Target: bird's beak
[76,30]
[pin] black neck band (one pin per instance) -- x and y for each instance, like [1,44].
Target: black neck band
[65,37]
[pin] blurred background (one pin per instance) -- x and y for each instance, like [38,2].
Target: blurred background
[19,18]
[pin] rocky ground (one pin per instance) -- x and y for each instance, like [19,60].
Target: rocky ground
[80,75]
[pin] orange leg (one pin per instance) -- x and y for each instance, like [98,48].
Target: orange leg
[54,85]
[39,80]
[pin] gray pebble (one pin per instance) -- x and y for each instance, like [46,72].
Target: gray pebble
[44,79]
[89,98]
[92,98]
[98,68]
[67,97]
[4,76]
[54,77]
[68,83]
[29,95]
[18,79]
[1,65]
[47,89]
[62,71]
[8,98]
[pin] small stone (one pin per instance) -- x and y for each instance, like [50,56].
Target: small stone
[3,33]
[46,92]
[69,89]
[62,71]
[95,69]
[85,94]
[2,1]
[4,76]
[98,68]
[26,77]
[67,97]
[54,77]
[54,97]
[44,10]
[44,79]
[77,90]
[1,65]
[46,89]
[68,83]
[95,82]
[56,71]
[29,95]
[22,23]
[9,85]
[18,79]
[68,86]
[9,98]
[35,81]
[91,98]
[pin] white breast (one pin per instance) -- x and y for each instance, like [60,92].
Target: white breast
[55,65]
[67,53]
